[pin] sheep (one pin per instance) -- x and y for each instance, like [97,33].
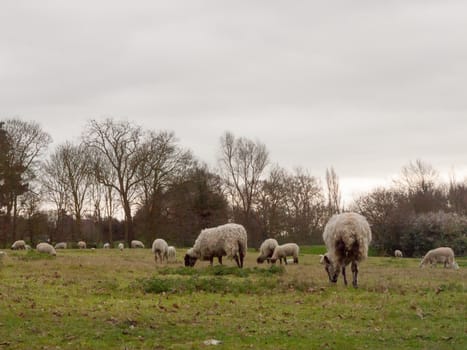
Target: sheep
[106,245]
[121,246]
[285,250]
[27,247]
[160,250]
[266,250]
[443,255]
[347,237]
[171,253]
[60,245]
[46,248]
[82,245]
[136,244]
[226,240]
[398,253]
[18,245]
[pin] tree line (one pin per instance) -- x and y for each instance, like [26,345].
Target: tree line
[119,182]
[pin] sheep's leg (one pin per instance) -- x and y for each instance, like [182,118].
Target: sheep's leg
[354,274]
[237,260]
[344,275]
[295,260]
[211,260]
[242,257]
[220,259]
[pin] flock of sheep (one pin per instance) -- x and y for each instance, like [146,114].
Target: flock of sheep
[347,237]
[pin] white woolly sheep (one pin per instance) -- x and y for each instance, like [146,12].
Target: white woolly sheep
[443,255]
[266,250]
[27,247]
[160,249]
[46,248]
[106,245]
[121,246]
[347,237]
[281,252]
[226,240]
[17,245]
[171,253]
[398,253]
[60,245]
[82,245]
[136,244]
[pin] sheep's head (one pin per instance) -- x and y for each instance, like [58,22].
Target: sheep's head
[260,260]
[190,258]
[331,267]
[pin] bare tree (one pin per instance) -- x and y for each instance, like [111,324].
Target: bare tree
[242,164]
[165,162]
[334,193]
[418,176]
[119,163]
[28,142]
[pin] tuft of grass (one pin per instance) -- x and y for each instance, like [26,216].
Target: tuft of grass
[33,255]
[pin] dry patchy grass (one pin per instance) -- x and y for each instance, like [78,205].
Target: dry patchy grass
[100,299]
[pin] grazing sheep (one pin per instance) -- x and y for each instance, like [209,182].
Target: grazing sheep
[82,245]
[266,250]
[226,240]
[18,245]
[347,237]
[121,246]
[46,248]
[136,244]
[443,255]
[398,253]
[27,247]
[171,253]
[285,250]
[160,249]
[60,245]
[106,245]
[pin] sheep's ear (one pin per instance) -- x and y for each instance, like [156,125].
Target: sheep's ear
[321,259]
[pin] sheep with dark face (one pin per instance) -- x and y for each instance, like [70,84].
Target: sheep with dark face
[226,240]
[347,237]
[266,250]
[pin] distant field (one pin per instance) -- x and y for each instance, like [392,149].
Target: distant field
[107,299]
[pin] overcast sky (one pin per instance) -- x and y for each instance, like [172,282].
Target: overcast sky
[363,86]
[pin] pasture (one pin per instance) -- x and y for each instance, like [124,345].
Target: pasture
[107,299]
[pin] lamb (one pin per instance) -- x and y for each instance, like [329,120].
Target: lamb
[266,250]
[171,253]
[160,250]
[82,245]
[121,246]
[347,237]
[18,245]
[106,245]
[136,244]
[46,248]
[226,240]
[285,250]
[60,245]
[443,255]
[398,253]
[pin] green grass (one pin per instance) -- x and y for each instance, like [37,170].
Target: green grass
[107,299]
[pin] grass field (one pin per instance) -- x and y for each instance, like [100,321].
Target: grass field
[107,299]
